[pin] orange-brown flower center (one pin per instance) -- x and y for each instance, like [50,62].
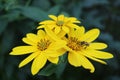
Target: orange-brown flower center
[43,44]
[76,45]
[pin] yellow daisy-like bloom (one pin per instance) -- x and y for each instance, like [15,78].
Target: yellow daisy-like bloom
[60,23]
[41,47]
[80,47]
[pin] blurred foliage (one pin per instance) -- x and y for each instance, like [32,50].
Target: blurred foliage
[18,17]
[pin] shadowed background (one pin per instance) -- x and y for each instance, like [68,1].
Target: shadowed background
[18,17]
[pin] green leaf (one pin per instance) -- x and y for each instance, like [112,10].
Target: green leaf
[41,3]
[89,3]
[34,13]
[11,16]
[61,66]
[48,70]
[3,24]
[54,10]
[7,41]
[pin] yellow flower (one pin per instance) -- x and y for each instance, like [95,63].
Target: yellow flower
[41,47]
[60,23]
[80,47]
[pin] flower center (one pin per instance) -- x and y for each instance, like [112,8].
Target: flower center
[77,45]
[43,44]
[60,23]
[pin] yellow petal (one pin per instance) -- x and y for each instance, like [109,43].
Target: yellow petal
[76,21]
[98,45]
[38,63]
[53,17]
[90,35]
[72,32]
[99,54]
[86,63]
[32,37]
[47,22]
[66,29]
[74,59]
[49,53]
[21,50]
[61,51]
[53,59]
[57,45]
[27,41]
[28,59]
[51,34]
[61,34]
[55,53]
[72,25]
[61,18]
[57,30]
[77,33]
[41,34]
[73,20]
[41,26]
[97,60]
[80,32]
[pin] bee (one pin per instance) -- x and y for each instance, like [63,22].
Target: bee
[84,44]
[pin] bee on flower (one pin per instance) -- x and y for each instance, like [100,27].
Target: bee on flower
[80,47]
[62,36]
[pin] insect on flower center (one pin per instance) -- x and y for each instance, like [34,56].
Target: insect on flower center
[43,44]
[77,45]
[60,23]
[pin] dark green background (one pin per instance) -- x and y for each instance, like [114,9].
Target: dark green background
[18,17]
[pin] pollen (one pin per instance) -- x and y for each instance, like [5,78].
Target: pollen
[73,43]
[43,44]
[60,23]
[77,45]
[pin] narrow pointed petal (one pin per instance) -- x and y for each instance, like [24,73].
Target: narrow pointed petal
[72,25]
[61,34]
[86,63]
[34,38]
[73,20]
[90,35]
[95,59]
[98,45]
[76,33]
[99,54]
[41,34]
[57,30]
[76,21]
[27,41]
[79,32]
[66,29]
[74,59]
[61,18]
[41,26]
[72,32]
[28,59]
[53,59]
[51,34]
[38,63]
[53,17]
[21,50]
